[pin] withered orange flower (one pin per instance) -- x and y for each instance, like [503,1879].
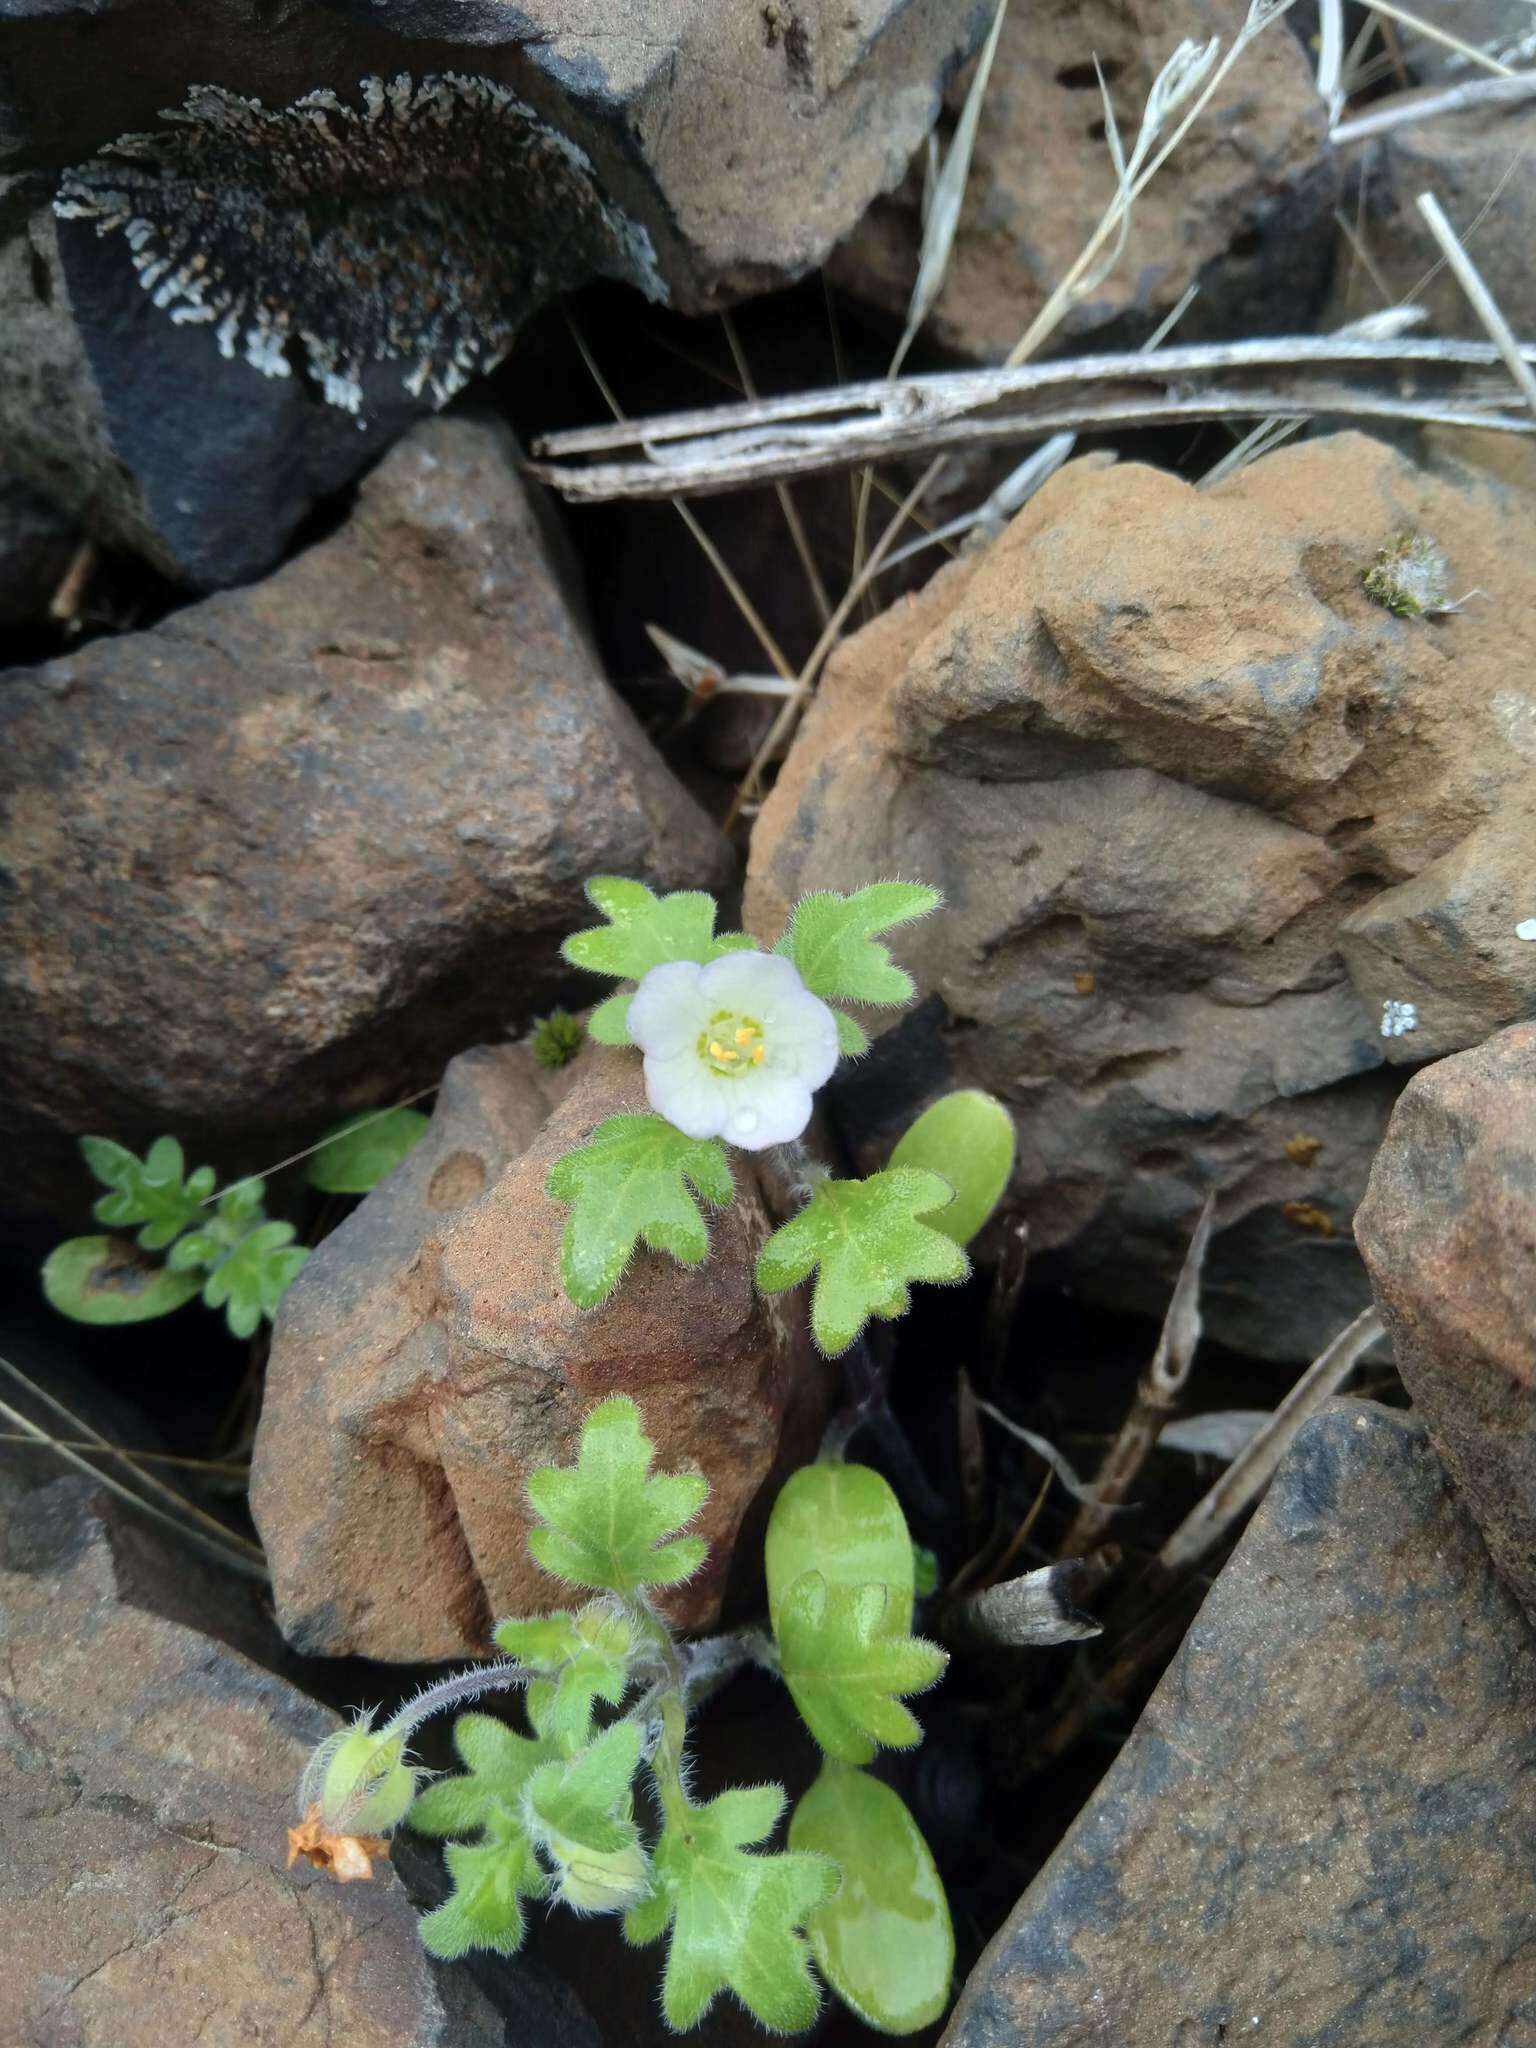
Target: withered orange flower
[345,1856]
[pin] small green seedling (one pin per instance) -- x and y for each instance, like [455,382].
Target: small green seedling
[1410,577]
[557,1039]
[736,1041]
[221,1245]
[551,1814]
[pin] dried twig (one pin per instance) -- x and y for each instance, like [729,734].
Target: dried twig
[1208,1522]
[1409,109]
[1157,1395]
[1479,297]
[728,447]
[65,606]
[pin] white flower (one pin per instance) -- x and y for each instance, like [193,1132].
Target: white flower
[735,1049]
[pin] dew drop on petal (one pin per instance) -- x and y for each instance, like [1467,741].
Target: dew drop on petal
[744,1121]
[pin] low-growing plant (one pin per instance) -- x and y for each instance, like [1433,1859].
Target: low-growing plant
[736,1042]
[219,1244]
[551,1814]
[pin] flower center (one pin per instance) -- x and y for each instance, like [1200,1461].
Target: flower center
[732,1044]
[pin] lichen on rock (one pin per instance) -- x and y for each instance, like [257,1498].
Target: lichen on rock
[422,228]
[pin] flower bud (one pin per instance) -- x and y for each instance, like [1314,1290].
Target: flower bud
[598,1881]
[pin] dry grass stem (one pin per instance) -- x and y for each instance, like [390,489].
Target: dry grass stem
[1389,10]
[1407,110]
[1478,296]
[1209,1521]
[787,505]
[1157,1395]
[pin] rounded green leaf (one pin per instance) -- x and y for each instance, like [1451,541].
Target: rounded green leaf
[360,1150]
[884,1943]
[844,1522]
[968,1138]
[101,1280]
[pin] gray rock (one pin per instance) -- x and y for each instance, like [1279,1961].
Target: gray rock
[37,542]
[307,239]
[1449,943]
[1321,1830]
[1446,1231]
[1157,745]
[282,855]
[147,1774]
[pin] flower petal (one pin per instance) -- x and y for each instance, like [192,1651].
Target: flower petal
[774,1112]
[668,1010]
[688,1094]
[754,982]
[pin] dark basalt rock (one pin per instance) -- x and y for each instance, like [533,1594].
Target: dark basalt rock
[1322,1829]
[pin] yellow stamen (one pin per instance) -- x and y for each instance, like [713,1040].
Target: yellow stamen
[745,1034]
[717,1051]
[759,1054]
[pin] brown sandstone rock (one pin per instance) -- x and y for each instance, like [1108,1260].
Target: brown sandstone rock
[1243,207]
[1156,744]
[426,1361]
[287,851]
[1321,1827]
[1448,1232]
[147,1776]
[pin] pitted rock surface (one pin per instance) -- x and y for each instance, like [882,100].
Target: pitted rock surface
[1448,1230]
[426,1362]
[1157,746]
[1320,1830]
[300,843]
[1243,208]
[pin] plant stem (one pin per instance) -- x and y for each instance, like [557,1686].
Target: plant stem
[667,1758]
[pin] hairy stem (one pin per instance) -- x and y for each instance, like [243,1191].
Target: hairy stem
[502,1676]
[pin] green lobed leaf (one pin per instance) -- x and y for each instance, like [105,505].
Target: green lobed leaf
[609,1022]
[491,1878]
[101,1280]
[607,1523]
[831,939]
[845,1522]
[359,1151]
[498,1763]
[865,1243]
[735,1915]
[885,1943]
[586,1655]
[847,1669]
[583,1802]
[629,1183]
[967,1138]
[643,930]
[852,1038]
[251,1277]
[154,1191]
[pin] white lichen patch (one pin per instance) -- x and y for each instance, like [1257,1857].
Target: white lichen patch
[1397,1019]
[422,228]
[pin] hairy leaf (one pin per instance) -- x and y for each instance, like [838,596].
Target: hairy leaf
[585,1655]
[582,1802]
[154,1191]
[885,1943]
[607,1523]
[644,929]
[491,1878]
[967,1138]
[251,1277]
[360,1150]
[735,1916]
[831,939]
[103,1280]
[498,1763]
[852,1038]
[630,1182]
[609,1022]
[865,1242]
[847,1670]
